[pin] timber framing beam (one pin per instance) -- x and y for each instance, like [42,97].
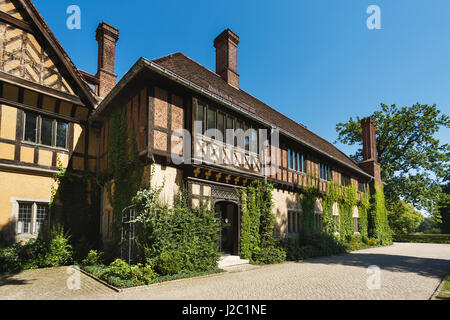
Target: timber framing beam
[4,17]
[6,77]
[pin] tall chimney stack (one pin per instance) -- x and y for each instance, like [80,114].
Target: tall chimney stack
[107,37]
[370,163]
[226,57]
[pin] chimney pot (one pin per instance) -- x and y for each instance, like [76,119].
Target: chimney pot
[226,57]
[107,37]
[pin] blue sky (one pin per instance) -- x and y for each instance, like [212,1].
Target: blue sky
[313,60]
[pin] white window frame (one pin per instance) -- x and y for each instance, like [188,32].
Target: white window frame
[15,215]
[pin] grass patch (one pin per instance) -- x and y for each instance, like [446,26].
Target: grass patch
[98,270]
[423,238]
[445,291]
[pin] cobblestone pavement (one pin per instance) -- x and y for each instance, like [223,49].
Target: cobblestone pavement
[408,271]
[49,284]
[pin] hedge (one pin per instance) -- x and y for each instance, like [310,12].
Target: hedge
[423,238]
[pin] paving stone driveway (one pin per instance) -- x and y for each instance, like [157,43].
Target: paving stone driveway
[408,271]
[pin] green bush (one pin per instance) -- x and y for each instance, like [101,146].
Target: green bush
[372,242]
[93,258]
[269,255]
[423,238]
[175,239]
[51,249]
[121,274]
[55,249]
[171,262]
[10,260]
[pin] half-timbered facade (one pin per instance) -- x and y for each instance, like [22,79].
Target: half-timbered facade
[45,102]
[195,127]
[174,93]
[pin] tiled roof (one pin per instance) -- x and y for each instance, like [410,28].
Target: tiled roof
[193,71]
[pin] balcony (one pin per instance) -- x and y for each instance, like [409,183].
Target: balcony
[213,152]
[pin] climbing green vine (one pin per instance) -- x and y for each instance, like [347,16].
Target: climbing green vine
[258,243]
[125,170]
[363,208]
[328,201]
[378,226]
[347,202]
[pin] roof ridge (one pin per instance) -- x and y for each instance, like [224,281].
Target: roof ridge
[241,91]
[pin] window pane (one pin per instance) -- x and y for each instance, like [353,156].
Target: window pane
[221,124]
[61,135]
[254,141]
[41,216]
[46,131]
[289,158]
[211,119]
[229,127]
[30,128]
[24,218]
[247,138]
[201,117]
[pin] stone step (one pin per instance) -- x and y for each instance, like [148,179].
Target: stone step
[228,260]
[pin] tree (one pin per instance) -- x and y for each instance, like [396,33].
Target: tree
[404,219]
[413,162]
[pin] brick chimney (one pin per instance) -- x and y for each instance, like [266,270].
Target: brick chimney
[226,57]
[107,37]
[370,163]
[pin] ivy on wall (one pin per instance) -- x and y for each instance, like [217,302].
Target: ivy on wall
[308,201]
[258,243]
[328,201]
[363,208]
[346,204]
[125,170]
[378,226]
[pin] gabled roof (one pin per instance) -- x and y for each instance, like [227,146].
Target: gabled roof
[37,23]
[200,75]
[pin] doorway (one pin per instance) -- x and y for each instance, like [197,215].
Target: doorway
[228,213]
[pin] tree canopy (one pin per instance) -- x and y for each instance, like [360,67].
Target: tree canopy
[413,161]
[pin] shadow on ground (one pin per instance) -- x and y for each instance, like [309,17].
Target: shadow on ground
[427,267]
[8,279]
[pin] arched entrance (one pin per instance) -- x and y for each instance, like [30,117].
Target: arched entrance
[230,226]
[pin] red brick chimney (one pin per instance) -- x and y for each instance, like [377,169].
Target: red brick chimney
[370,163]
[107,37]
[226,57]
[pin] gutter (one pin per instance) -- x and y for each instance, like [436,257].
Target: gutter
[145,63]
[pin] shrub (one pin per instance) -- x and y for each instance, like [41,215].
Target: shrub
[269,255]
[170,262]
[175,239]
[55,249]
[93,258]
[372,242]
[9,260]
[121,274]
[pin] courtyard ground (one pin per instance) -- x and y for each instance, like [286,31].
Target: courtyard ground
[407,271]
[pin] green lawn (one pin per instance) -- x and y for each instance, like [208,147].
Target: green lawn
[423,238]
[445,292]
